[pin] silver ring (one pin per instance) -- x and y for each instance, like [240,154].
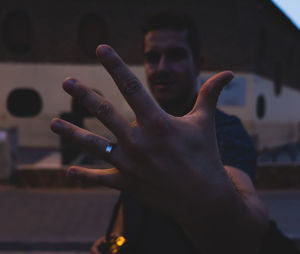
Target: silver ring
[108,149]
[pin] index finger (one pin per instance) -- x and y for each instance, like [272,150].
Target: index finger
[131,88]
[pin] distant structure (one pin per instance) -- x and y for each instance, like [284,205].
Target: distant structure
[41,42]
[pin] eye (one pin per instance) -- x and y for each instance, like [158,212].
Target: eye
[152,57]
[176,54]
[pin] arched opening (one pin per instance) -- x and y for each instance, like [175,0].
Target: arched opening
[260,106]
[17,32]
[92,31]
[24,102]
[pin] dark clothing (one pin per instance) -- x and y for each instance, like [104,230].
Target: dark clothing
[148,231]
[235,145]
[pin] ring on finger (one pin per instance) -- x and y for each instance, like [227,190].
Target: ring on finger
[109,148]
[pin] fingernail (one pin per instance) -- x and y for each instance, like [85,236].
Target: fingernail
[103,50]
[69,84]
[56,125]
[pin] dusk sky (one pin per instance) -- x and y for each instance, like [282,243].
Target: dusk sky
[291,8]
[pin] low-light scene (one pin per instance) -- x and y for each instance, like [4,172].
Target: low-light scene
[149,127]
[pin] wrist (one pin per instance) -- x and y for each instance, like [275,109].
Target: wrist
[220,214]
[205,195]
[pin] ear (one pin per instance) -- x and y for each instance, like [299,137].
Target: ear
[199,61]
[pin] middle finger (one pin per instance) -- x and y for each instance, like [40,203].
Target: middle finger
[99,107]
[134,92]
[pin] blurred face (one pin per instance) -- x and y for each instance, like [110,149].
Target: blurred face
[170,67]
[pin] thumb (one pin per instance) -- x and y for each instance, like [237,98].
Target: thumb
[107,177]
[210,91]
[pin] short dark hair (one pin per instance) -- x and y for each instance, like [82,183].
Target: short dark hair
[177,21]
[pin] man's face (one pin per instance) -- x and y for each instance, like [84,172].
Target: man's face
[169,66]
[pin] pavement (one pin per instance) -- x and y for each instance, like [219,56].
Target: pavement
[53,219]
[69,220]
[37,219]
[284,208]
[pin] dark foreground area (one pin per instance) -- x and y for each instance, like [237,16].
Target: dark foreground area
[35,220]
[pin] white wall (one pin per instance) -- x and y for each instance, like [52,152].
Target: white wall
[281,121]
[279,125]
[47,80]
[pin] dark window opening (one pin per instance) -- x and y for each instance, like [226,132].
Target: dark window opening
[260,106]
[24,102]
[17,32]
[92,31]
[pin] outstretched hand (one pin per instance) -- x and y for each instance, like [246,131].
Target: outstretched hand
[172,164]
[161,159]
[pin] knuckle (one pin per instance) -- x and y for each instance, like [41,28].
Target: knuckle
[71,133]
[102,108]
[135,142]
[159,124]
[131,86]
[91,140]
[81,92]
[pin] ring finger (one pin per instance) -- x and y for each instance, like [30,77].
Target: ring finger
[93,143]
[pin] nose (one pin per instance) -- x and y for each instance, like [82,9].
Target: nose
[163,64]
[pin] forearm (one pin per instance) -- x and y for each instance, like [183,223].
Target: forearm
[225,220]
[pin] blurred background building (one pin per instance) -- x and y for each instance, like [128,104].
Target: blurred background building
[42,42]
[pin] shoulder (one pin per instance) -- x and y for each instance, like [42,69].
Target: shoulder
[223,119]
[231,125]
[235,145]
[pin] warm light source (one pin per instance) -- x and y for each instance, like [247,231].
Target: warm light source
[120,241]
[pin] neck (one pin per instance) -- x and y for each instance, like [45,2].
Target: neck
[179,108]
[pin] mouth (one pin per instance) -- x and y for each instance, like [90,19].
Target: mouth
[163,84]
[163,87]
